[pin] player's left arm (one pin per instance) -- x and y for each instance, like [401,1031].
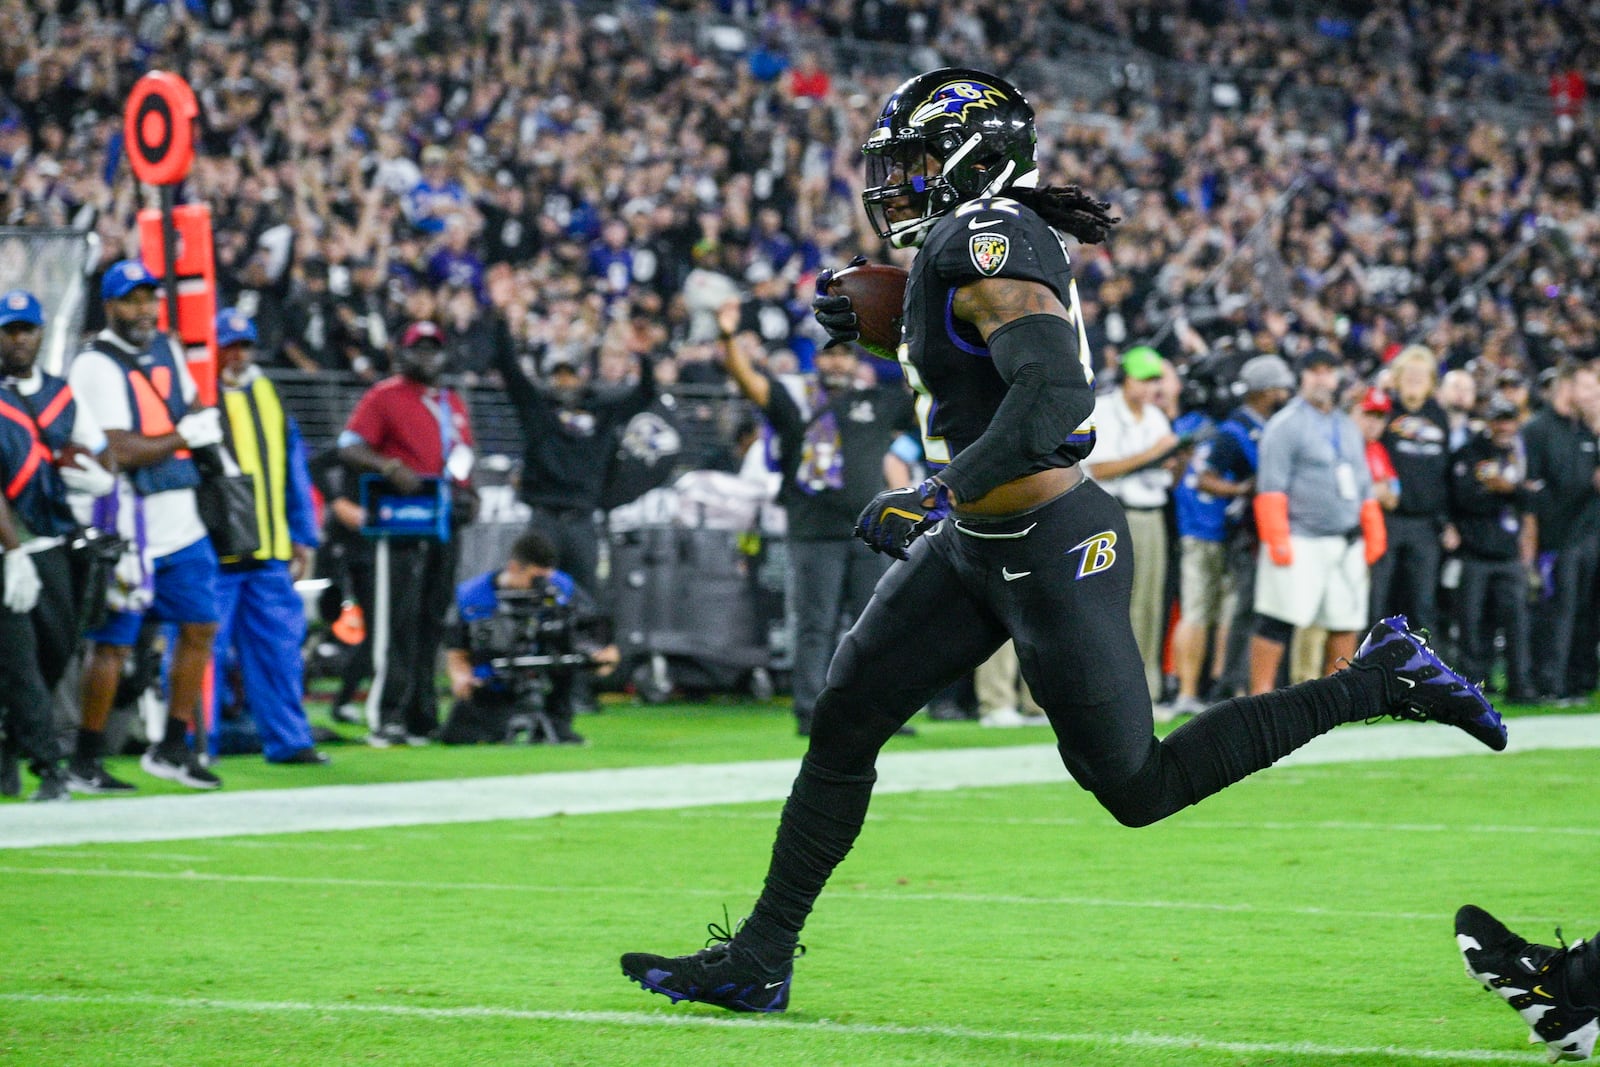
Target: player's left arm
[1035,345]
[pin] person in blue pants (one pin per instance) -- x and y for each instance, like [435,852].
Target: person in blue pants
[262,617]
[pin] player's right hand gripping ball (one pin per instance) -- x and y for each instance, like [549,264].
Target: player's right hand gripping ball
[833,311]
[862,304]
[896,517]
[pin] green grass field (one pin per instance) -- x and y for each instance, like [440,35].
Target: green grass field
[1302,917]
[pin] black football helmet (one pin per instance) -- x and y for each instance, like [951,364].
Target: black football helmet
[979,129]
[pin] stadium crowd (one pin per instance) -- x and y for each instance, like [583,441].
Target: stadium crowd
[564,188]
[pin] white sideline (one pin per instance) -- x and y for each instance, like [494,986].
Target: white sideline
[664,1020]
[533,796]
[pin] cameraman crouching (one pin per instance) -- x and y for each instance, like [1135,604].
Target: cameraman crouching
[514,641]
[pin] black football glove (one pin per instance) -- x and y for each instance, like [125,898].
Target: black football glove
[833,310]
[896,517]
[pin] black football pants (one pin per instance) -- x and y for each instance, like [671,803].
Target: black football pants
[1058,580]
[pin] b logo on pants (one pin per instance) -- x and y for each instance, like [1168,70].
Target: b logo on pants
[1099,553]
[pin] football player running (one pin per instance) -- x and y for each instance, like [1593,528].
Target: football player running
[1007,539]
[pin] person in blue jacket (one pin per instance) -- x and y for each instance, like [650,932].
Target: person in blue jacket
[262,617]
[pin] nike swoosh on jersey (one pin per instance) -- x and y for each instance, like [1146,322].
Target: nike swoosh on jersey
[1011,577]
[978,224]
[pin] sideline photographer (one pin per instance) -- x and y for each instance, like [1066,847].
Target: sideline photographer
[515,641]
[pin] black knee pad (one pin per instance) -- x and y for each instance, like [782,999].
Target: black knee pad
[1274,629]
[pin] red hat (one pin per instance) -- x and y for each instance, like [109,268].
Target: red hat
[421,331]
[1376,400]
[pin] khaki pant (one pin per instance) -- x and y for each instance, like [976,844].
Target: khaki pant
[1149,609]
[998,682]
[1307,651]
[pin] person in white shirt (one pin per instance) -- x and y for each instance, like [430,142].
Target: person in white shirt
[136,385]
[1135,453]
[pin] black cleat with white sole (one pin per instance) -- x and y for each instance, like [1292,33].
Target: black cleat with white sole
[1543,984]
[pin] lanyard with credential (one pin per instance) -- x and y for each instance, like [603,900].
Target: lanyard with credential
[440,407]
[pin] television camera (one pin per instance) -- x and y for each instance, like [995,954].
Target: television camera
[533,644]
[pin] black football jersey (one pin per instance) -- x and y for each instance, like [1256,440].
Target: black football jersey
[946,362]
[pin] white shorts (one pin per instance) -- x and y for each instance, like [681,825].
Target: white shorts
[1326,584]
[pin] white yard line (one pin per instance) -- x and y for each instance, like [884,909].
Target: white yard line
[192,877]
[664,1020]
[533,796]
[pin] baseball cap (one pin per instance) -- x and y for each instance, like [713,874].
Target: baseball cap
[234,326]
[124,277]
[1142,363]
[1319,357]
[1265,372]
[1377,401]
[419,332]
[19,305]
[1501,408]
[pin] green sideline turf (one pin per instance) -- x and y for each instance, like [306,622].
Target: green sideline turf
[625,734]
[1302,917]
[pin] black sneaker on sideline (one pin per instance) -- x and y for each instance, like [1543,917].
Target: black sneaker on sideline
[308,756]
[1536,980]
[184,768]
[1422,687]
[722,974]
[93,779]
[52,787]
[565,734]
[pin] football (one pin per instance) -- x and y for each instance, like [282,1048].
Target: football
[877,294]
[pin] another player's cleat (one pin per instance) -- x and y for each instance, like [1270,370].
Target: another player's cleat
[723,973]
[1540,983]
[1422,687]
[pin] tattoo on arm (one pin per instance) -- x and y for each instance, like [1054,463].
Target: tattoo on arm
[992,302]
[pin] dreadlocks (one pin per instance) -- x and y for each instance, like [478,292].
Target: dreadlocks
[1070,210]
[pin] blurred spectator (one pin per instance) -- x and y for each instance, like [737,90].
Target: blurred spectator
[436,196]
[1320,526]
[569,430]
[1488,497]
[1566,523]
[832,436]
[1212,506]
[1133,459]
[1406,579]
[408,428]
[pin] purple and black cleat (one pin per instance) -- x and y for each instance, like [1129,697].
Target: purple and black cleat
[1422,687]
[722,974]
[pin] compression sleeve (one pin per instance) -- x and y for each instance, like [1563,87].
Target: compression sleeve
[1048,397]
